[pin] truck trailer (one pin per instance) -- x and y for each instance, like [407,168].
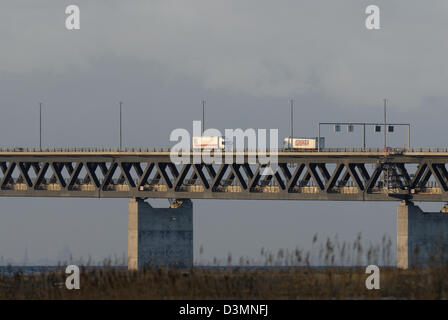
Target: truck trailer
[208,142]
[303,144]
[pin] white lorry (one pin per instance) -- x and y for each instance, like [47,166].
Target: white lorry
[303,143]
[208,142]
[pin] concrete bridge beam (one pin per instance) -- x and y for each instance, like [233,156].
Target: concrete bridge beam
[160,237]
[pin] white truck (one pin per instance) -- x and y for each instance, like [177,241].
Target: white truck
[303,143]
[208,142]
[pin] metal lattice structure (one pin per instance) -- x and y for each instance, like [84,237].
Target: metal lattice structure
[372,175]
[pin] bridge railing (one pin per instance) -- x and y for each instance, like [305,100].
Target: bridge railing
[149,150]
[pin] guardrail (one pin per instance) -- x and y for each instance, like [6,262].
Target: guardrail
[130,150]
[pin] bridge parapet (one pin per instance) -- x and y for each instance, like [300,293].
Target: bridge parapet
[100,150]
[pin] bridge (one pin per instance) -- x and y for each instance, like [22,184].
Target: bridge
[331,174]
[344,174]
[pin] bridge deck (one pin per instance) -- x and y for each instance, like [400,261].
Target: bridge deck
[332,174]
[348,152]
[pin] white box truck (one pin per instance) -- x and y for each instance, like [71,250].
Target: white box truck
[303,143]
[208,142]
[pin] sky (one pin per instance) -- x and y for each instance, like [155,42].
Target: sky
[246,59]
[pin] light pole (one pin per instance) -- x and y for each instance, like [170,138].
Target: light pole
[409,136]
[292,118]
[121,128]
[203,116]
[385,123]
[40,126]
[318,137]
[364,136]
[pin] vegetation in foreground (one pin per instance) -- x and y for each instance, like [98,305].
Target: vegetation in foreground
[285,275]
[291,283]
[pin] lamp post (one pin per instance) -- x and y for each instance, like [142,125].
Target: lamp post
[385,129]
[121,128]
[292,122]
[318,138]
[292,117]
[409,136]
[40,126]
[364,136]
[203,116]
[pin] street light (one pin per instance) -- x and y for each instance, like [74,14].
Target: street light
[121,131]
[40,126]
[203,116]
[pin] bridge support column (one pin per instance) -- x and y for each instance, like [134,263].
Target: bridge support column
[160,237]
[422,237]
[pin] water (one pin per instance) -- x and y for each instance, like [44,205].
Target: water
[11,270]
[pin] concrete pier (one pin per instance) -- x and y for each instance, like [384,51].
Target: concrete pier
[422,237]
[160,237]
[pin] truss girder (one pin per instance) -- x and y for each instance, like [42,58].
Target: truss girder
[292,178]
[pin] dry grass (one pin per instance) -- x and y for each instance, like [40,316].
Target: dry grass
[292,283]
[285,275]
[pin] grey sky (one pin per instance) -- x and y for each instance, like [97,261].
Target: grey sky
[246,58]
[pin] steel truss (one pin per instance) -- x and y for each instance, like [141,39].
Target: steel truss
[342,176]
